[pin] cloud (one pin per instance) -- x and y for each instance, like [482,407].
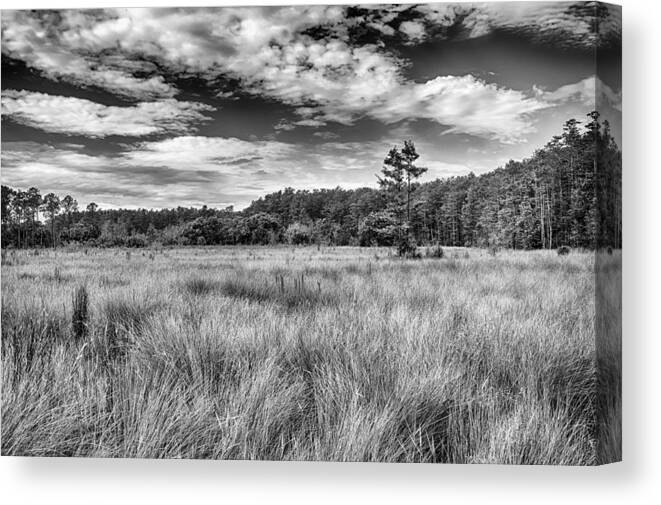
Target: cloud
[189,170]
[76,116]
[209,153]
[414,30]
[45,41]
[326,135]
[562,24]
[110,48]
[284,126]
[144,175]
[346,83]
[271,52]
[591,92]
[219,171]
[310,122]
[465,104]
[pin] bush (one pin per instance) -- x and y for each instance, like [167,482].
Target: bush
[136,241]
[435,252]
[564,250]
[378,229]
[413,254]
[298,233]
[407,248]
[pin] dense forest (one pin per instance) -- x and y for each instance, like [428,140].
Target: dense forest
[566,193]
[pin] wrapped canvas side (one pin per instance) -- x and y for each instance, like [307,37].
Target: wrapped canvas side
[608,247]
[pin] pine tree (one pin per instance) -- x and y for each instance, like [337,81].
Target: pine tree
[398,173]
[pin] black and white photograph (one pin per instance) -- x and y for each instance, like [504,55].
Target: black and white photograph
[336,233]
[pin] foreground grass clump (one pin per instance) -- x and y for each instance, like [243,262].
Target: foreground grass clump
[198,286]
[312,354]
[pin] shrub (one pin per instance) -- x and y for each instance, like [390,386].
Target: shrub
[136,241]
[407,248]
[564,250]
[413,255]
[378,229]
[298,233]
[80,315]
[435,252]
[493,250]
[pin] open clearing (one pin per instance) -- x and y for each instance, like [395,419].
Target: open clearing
[343,354]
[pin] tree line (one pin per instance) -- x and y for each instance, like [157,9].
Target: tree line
[566,193]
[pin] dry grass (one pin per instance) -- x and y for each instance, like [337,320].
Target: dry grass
[334,354]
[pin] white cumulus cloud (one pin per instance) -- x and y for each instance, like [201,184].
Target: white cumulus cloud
[70,115]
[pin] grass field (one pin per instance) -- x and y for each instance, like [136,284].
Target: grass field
[340,354]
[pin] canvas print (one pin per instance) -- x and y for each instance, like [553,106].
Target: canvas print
[368,233]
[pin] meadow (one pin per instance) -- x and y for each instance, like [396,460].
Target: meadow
[341,354]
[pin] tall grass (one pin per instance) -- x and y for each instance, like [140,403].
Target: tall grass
[309,354]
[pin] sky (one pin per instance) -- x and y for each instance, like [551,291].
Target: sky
[158,108]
